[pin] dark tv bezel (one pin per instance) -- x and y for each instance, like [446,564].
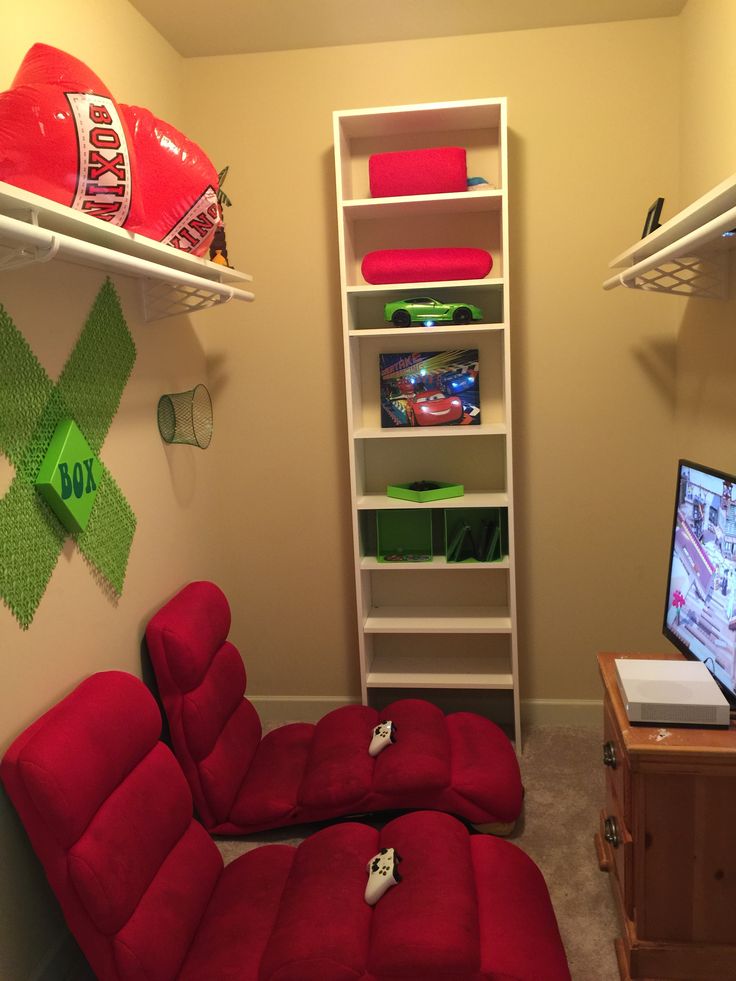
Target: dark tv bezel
[672,638]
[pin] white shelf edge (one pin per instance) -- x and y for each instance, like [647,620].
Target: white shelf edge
[437,620]
[389,679]
[446,330]
[34,229]
[473,499]
[459,202]
[369,563]
[423,288]
[418,432]
[421,117]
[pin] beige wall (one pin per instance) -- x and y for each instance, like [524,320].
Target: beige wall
[708,95]
[705,339]
[600,379]
[592,413]
[77,630]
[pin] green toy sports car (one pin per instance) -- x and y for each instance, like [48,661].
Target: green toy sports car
[425,310]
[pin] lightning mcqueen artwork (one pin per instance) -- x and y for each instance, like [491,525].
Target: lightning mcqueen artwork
[433,408]
[430,388]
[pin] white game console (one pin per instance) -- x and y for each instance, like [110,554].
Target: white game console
[670,693]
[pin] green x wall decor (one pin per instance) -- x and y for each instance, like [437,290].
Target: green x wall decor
[32,408]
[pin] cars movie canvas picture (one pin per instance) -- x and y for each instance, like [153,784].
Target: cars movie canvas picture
[431,388]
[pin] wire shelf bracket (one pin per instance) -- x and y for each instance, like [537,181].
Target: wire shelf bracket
[689,254]
[34,230]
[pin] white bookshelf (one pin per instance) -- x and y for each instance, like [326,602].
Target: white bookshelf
[429,624]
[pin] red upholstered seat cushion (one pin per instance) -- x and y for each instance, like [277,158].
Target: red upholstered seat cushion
[425,265]
[484,774]
[462,763]
[435,170]
[201,678]
[419,761]
[118,842]
[240,918]
[144,892]
[339,771]
[427,926]
[153,944]
[323,925]
[269,793]
[109,813]
[519,937]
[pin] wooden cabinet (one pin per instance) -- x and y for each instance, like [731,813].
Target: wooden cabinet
[667,837]
[432,624]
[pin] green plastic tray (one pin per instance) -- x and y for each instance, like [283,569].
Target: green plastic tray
[405,493]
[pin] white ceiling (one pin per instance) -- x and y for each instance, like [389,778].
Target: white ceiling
[246,26]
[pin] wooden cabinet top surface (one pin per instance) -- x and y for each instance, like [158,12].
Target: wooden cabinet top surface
[664,742]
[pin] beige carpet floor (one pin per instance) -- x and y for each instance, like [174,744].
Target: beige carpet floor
[563,777]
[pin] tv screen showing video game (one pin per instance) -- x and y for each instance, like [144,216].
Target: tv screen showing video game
[699,616]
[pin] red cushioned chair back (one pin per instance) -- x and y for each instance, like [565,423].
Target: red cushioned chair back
[109,814]
[201,678]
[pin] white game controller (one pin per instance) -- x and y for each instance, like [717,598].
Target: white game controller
[383,735]
[383,873]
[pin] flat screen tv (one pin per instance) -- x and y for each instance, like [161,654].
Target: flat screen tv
[700,608]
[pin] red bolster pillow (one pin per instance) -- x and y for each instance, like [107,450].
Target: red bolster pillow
[438,170]
[425,265]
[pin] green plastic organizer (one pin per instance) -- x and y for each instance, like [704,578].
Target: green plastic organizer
[404,536]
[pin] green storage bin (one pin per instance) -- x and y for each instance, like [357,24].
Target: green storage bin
[404,536]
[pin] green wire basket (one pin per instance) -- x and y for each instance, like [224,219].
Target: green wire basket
[186,417]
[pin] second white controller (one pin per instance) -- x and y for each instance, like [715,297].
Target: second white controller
[383,735]
[383,873]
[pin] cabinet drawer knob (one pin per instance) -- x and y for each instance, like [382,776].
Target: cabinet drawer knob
[609,755]
[610,831]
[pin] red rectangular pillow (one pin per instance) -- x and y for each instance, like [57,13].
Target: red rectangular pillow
[437,170]
[425,265]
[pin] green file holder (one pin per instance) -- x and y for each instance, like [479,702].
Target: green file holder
[476,534]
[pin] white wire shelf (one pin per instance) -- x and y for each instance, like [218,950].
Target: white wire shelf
[688,255]
[34,229]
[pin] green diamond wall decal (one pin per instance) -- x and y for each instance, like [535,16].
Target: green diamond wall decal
[69,476]
[32,407]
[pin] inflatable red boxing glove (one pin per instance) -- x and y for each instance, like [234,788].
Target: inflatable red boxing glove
[178,184]
[62,136]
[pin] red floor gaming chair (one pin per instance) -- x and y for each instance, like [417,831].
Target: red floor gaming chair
[241,783]
[144,891]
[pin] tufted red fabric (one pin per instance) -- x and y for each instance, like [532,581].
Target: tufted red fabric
[434,170]
[461,763]
[144,891]
[425,265]
[109,815]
